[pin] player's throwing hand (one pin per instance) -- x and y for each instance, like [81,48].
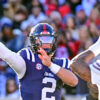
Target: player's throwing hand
[46,59]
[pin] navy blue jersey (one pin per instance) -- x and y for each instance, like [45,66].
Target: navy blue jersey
[39,83]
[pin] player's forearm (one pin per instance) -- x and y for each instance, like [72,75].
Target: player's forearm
[87,55]
[14,60]
[67,77]
[79,64]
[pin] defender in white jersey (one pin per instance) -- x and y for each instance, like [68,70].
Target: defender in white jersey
[90,73]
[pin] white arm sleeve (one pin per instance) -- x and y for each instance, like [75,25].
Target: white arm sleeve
[14,60]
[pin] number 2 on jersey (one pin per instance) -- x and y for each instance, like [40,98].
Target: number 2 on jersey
[47,89]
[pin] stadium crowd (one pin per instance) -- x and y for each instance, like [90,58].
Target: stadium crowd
[76,23]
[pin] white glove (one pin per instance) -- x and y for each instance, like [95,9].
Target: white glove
[95,48]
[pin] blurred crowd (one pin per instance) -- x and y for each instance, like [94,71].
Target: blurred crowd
[76,23]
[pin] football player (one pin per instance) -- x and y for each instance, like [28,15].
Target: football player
[41,76]
[89,72]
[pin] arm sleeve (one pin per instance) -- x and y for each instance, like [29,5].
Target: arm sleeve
[15,61]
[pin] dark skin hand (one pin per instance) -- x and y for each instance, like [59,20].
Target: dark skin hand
[93,89]
[80,66]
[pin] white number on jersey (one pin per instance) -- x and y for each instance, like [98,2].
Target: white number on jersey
[47,89]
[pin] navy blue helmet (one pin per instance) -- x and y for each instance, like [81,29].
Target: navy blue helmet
[45,34]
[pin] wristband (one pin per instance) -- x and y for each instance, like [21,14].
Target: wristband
[54,68]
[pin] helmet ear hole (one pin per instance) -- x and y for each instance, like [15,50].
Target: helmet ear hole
[33,44]
[32,40]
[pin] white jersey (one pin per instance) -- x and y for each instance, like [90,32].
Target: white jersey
[95,74]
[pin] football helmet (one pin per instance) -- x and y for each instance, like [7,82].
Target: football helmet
[44,34]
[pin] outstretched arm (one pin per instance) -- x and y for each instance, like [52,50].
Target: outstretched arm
[79,64]
[65,75]
[13,59]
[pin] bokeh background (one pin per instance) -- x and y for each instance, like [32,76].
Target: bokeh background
[76,23]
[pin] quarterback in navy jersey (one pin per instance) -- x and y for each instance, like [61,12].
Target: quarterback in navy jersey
[41,76]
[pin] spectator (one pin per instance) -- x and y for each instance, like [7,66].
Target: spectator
[61,51]
[12,6]
[37,3]
[25,27]
[88,6]
[64,9]
[36,16]
[26,3]
[5,20]
[72,44]
[93,32]
[97,5]
[94,17]
[70,23]
[73,4]
[21,14]
[13,42]
[67,46]
[52,5]
[1,9]
[84,36]
[61,2]
[98,30]
[55,26]
[57,19]
[3,78]
[12,89]
[71,26]
[80,16]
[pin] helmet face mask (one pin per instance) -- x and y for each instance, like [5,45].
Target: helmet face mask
[45,39]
